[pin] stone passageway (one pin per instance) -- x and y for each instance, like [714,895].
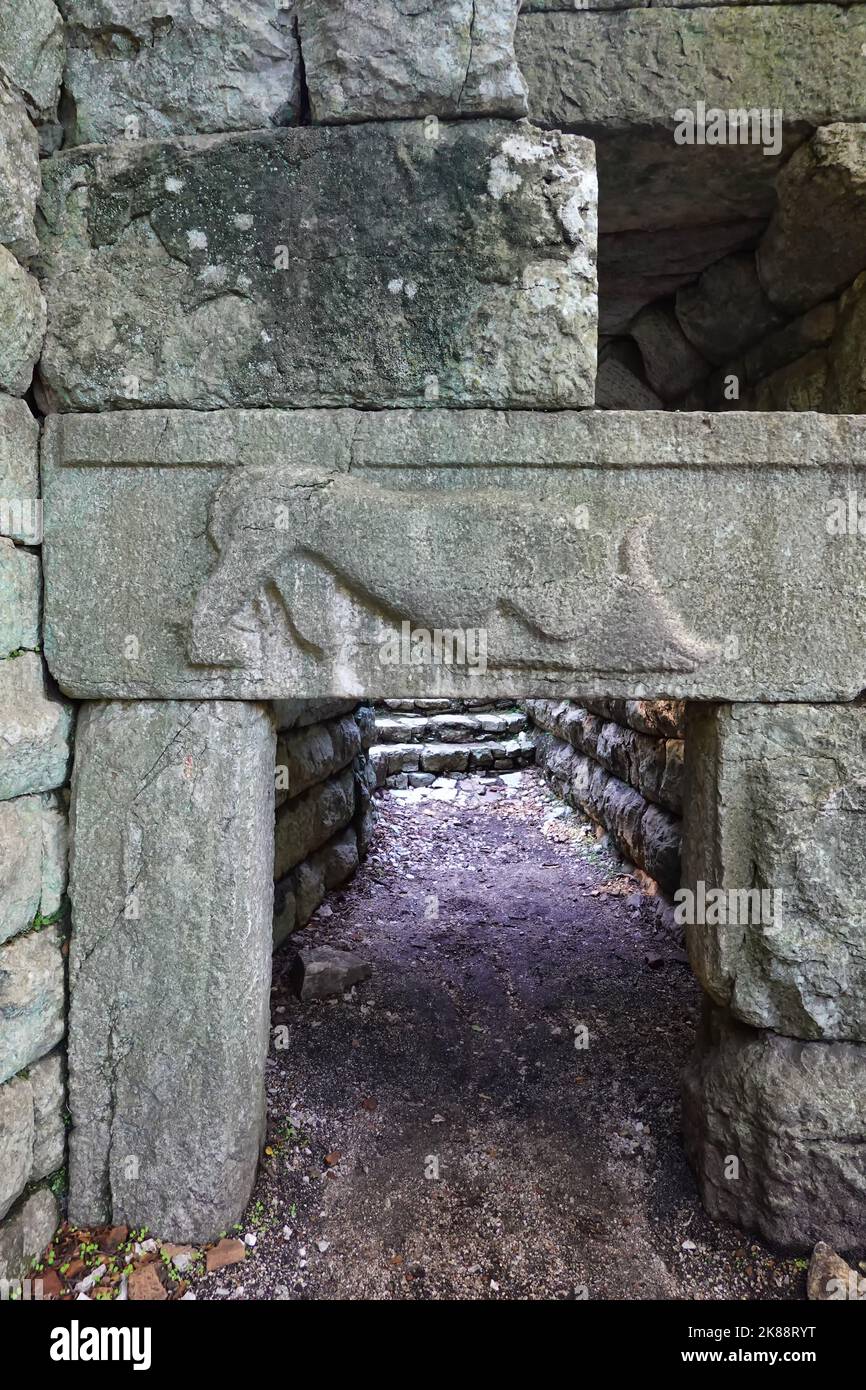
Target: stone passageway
[498,928]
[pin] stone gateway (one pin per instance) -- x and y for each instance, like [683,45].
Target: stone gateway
[358,351]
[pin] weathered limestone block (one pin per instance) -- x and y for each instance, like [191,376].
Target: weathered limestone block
[55,853]
[16,1140]
[318,972]
[726,310]
[773,802]
[20,864]
[172,901]
[154,68]
[617,387]
[381,59]
[26,1233]
[821,201]
[583,544]
[315,753]
[20,595]
[32,998]
[593,68]
[661,718]
[19,177]
[791,1114]
[19,471]
[814,329]
[48,1085]
[800,386]
[35,729]
[22,313]
[299,714]
[299,893]
[31,52]
[270,269]
[305,823]
[672,365]
[845,386]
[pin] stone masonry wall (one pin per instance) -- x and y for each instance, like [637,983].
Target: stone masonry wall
[621,762]
[36,723]
[325,813]
[418,741]
[774,327]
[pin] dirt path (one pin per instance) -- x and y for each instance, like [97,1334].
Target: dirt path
[497,929]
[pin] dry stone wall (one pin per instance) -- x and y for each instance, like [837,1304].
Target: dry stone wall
[325,813]
[774,327]
[36,723]
[620,761]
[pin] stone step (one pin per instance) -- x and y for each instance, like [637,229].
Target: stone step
[395,759]
[438,706]
[450,727]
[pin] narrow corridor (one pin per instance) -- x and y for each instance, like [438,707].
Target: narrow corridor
[521,1037]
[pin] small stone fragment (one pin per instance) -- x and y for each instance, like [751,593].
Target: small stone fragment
[227,1252]
[320,971]
[829,1277]
[145,1285]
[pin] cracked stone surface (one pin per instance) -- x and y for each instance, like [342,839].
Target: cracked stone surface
[154,68]
[381,59]
[271,269]
[791,1114]
[775,802]
[19,177]
[32,47]
[32,998]
[22,313]
[172,900]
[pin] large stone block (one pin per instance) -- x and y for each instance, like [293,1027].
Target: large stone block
[727,310]
[666,554]
[20,594]
[153,68]
[845,361]
[19,177]
[314,753]
[821,200]
[306,822]
[593,68]
[380,59]
[48,1084]
[299,714]
[22,313]
[32,999]
[19,472]
[20,864]
[774,1130]
[298,895]
[16,1140]
[32,1131]
[32,46]
[55,852]
[271,269]
[773,801]
[172,903]
[35,728]
[27,1233]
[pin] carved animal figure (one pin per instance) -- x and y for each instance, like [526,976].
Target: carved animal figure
[548,592]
